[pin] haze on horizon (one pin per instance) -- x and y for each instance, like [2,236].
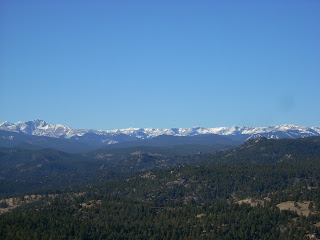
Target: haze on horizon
[160,64]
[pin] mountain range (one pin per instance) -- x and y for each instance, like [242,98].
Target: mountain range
[57,136]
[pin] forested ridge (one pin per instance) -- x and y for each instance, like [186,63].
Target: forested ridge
[242,193]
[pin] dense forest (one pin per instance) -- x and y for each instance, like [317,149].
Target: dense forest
[263,189]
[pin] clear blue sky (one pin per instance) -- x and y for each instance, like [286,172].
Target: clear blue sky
[118,64]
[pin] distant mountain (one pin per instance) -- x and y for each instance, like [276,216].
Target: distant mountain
[14,139]
[168,140]
[91,139]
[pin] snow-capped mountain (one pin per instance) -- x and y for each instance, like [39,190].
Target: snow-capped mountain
[98,137]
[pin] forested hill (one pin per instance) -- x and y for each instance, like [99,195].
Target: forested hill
[23,170]
[239,200]
[270,150]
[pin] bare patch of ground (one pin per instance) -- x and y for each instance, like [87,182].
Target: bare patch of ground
[179,181]
[302,208]
[317,224]
[100,156]
[148,175]
[252,202]
[12,203]
[7,205]
[91,203]
[267,199]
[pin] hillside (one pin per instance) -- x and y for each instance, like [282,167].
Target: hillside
[24,170]
[220,201]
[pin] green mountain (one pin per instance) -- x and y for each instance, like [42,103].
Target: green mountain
[24,170]
[263,189]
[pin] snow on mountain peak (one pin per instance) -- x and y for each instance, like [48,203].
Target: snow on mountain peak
[39,122]
[42,128]
[5,124]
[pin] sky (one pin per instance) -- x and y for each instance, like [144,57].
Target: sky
[170,63]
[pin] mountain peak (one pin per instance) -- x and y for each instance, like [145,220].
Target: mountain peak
[39,122]
[6,123]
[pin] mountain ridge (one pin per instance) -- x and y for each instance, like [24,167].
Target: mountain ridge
[42,128]
[100,138]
